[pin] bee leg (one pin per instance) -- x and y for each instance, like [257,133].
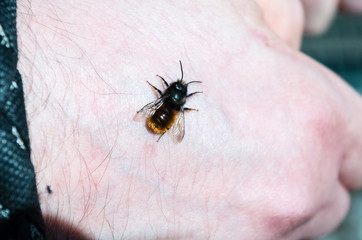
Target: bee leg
[155,89]
[160,136]
[163,80]
[191,109]
[192,94]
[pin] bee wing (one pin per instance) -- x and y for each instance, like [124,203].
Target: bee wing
[148,110]
[178,128]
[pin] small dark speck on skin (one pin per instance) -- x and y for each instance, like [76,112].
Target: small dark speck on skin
[49,190]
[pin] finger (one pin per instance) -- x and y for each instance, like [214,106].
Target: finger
[351,107]
[354,6]
[351,168]
[285,18]
[328,218]
[318,14]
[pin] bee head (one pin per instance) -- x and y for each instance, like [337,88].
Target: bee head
[181,86]
[177,92]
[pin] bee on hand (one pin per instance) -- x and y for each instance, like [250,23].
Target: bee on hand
[167,112]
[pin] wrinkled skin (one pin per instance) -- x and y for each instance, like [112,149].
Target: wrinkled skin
[271,154]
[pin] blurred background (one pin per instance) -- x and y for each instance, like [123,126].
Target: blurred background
[340,49]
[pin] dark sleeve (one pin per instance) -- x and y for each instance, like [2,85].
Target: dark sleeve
[20,214]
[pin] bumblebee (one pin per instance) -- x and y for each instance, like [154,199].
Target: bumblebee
[167,112]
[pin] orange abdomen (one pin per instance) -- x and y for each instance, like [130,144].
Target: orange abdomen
[162,119]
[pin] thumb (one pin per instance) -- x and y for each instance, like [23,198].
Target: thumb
[285,19]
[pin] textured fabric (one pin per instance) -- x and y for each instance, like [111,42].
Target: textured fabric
[20,215]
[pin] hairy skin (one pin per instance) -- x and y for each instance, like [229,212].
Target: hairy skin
[269,155]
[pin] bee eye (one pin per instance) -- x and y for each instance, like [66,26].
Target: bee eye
[178,86]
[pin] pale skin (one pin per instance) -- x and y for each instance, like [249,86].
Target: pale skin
[271,154]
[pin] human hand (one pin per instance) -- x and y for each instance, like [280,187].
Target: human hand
[270,155]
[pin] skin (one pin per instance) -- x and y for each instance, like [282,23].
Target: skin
[271,154]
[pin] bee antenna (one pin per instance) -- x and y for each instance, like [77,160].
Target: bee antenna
[193,82]
[182,71]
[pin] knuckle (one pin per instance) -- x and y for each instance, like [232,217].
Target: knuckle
[318,124]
